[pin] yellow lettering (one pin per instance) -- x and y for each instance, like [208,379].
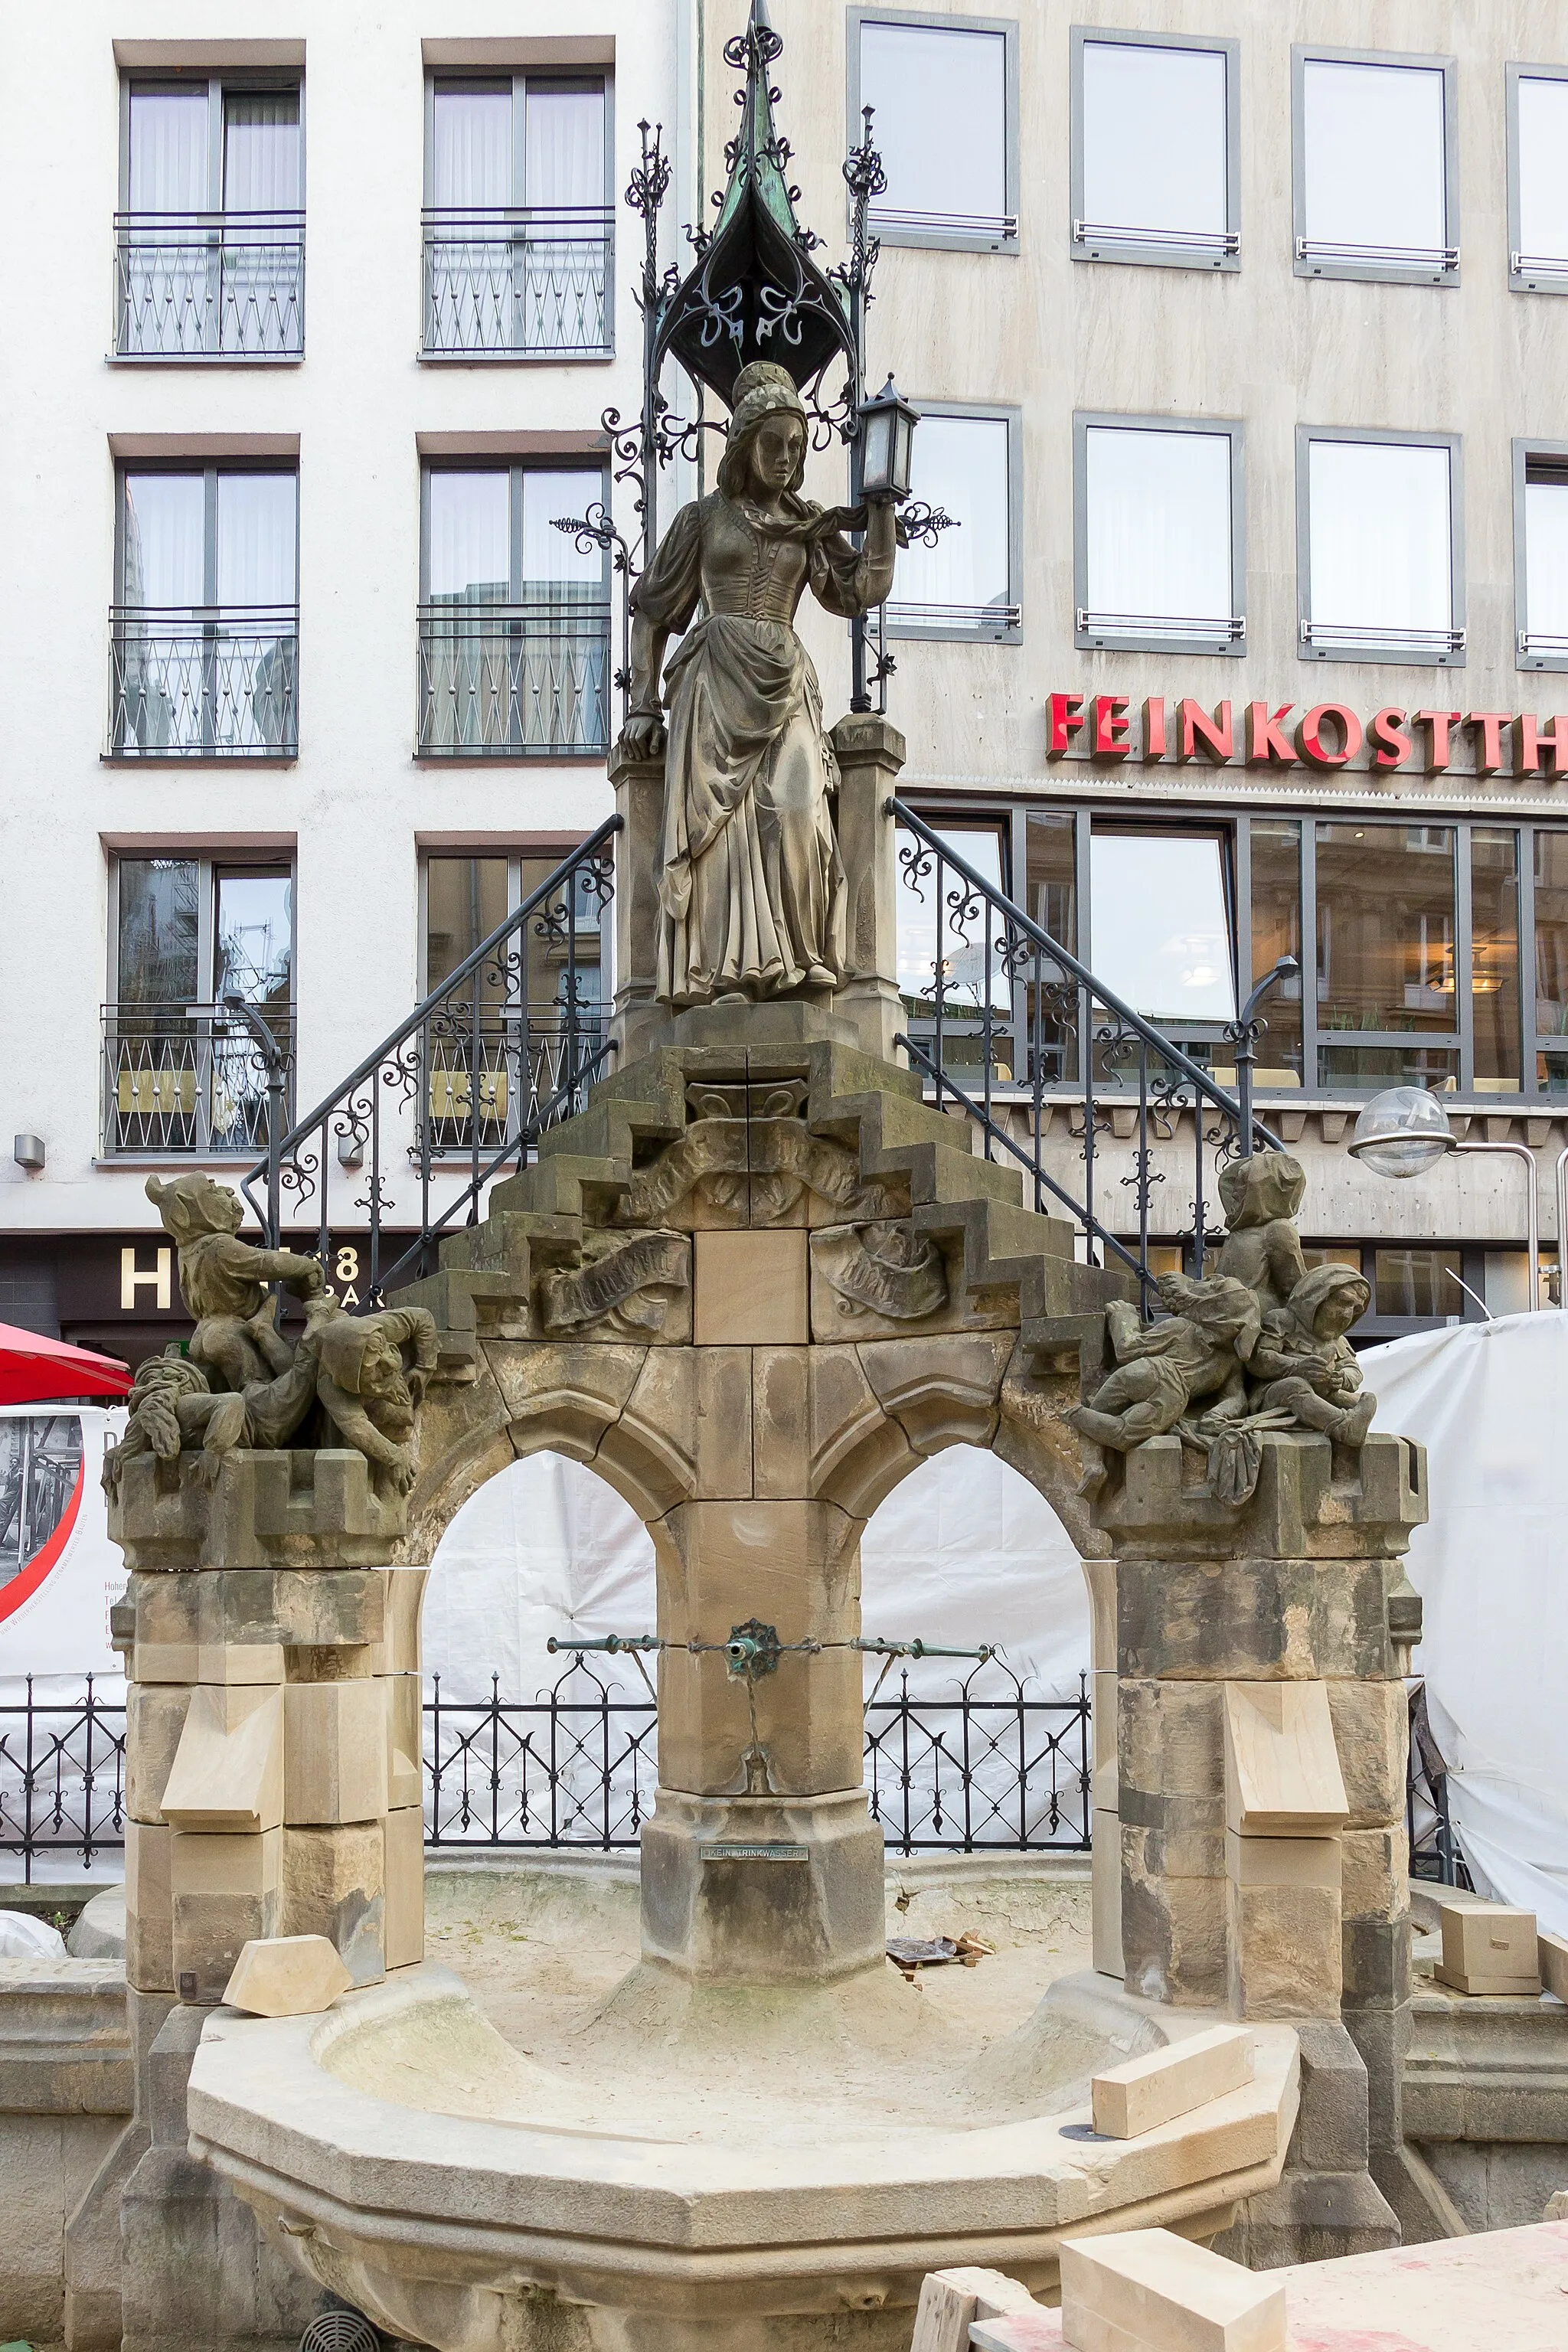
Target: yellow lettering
[348,1265]
[157,1277]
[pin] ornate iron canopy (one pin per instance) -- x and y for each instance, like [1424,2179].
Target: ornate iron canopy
[754,292]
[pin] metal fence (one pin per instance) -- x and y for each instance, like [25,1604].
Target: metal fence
[219,286]
[177,1083]
[500,680]
[218,682]
[500,281]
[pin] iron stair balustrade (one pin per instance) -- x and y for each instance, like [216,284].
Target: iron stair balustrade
[1072,1020]
[504,1075]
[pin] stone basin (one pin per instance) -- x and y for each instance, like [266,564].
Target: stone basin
[680,2165]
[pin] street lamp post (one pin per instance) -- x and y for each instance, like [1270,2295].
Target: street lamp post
[1404,1131]
[1244,1036]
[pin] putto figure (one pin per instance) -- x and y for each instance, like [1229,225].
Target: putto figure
[1304,1364]
[1196,1355]
[752,885]
[366,1393]
[224,1280]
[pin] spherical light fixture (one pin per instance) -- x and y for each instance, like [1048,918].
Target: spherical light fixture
[1403,1131]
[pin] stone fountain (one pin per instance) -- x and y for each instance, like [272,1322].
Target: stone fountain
[755,1283]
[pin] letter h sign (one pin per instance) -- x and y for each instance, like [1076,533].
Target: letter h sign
[157,1278]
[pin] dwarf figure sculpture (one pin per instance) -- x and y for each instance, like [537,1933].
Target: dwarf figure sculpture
[224,1280]
[1197,1354]
[1304,1364]
[1262,1248]
[171,1407]
[366,1393]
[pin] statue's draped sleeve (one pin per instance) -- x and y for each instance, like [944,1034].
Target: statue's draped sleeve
[669,592]
[845,580]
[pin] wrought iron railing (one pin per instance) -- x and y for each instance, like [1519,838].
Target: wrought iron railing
[176,1082]
[1012,1027]
[523,1015]
[209,286]
[203,682]
[62,1780]
[500,680]
[517,282]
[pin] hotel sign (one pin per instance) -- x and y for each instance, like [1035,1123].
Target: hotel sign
[1328,735]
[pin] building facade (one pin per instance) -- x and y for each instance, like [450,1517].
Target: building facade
[1237,335]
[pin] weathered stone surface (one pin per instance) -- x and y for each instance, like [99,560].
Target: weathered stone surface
[154,1718]
[1376,1870]
[1284,1948]
[332,1885]
[941,1391]
[265,1510]
[1371,1734]
[403,1871]
[1172,1928]
[149,1934]
[1170,1770]
[47,2165]
[750,1289]
[1239,1619]
[745,1917]
[405,1737]
[225,1892]
[1298,1511]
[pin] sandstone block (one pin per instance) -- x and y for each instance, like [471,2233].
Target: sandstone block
[227,1773]
[286,1976]
[404,1740]
[1282,1771]
[1283,1860]
[333,1883]
[1551,1958]
[237,1663]
[1489,1947]
[1171,1762]
[1105,1895]
[1164,2295]
[1173,1928]
[167,1617]
[334,1750]
[1154,2089]
[396,1650]
[224,1895]
[1286,1954]
[781,1420]
[1376,1866]
[405,1880]
[154,1718]
[951,2301]
[1226,1619]
[149,1932]
[1372,1733]
[750,1289]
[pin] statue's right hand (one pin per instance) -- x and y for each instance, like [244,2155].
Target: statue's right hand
[642,736]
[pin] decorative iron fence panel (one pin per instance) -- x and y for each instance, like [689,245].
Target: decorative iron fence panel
[62,1781]
[177,1084]
[505,283]
[200,684]
[504,679]
[220,285]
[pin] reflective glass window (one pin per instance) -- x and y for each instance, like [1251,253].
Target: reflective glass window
[159,900]
[1494,957]
[1417,1282]
[941,126]
[1154,139]
[1160,932]
[937,940]
[1380,542]
[1542,136]
[960,464]
[1552,954]
[1276,858]
[1158,526]
[1545,611]
[1374,173]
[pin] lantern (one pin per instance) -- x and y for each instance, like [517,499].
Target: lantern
[886,443]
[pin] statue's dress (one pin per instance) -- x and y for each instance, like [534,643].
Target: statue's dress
[751,891]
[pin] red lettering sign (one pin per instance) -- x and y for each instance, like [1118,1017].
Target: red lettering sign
[1155,727]
[1265,743]
[1441,723]
[1310,739]
[1063,717]
[1216,735]
[1531,740]
[1112,736]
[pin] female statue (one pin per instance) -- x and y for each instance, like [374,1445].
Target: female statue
[752,887]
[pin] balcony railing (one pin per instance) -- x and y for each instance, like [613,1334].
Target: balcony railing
[503,680]
[177,1083]
[503,283]
[522,1061]
[209,286]
[203,682]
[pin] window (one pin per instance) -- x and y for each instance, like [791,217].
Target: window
[40,1470]
[204,634]
[1550,906]
[943,92]
[1537,197]
[189,932]
[949,973]
[1418,1284]
[1377,170]
[1540,553]
[1379,547]
[965,585]
[513,619]
[1159,924]
[1274,861]
[1494,959]
[210,240]
[540,999]
[1158,563]
[1156,155]
[518,225]
[1385,916]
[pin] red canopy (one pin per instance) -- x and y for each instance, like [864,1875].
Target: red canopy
[33,1369]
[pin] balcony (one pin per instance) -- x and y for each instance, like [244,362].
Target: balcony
[524,1064]
[177,1084]
[513,681]
[507,284]
[203,682]
[209,286]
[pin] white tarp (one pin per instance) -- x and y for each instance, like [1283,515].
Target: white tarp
[1490,1401]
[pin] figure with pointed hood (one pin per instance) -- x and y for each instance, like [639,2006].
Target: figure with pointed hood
[1304,1362]
[752,884]
[367,1394]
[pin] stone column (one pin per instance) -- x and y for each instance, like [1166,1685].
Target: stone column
[870,753]
[1298,1908]
[272,1787]
[638,1021]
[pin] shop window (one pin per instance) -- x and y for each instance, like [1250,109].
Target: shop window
[1160,929]
[1541,521]
[944,121]
[1316,1253]
[1494,959]
[1158,559]
[1276,873]
[1385,954]
[1538,196]
[1418,1284]
[964,586]
[1376,172]
[1506,1280]
[1155,151]
[1050,848]
[949,967]
[1379,552]
[1551,905]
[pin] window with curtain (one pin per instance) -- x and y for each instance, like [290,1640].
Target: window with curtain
[205,629]
[963,583]
[1159,561]
[942,125]
[1385,954]
[514,617]
[210,241]
[189,932]
[1373,198]
[1160,927]
[1380,551]
[1544,623]
[1155,173]
[1539,247]
[517,221]
[1276,865]
[1550,927]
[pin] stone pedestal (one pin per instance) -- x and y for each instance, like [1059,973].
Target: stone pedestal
[1300,1911]
[763,1890]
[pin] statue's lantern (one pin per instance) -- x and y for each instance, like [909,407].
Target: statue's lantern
[886,443]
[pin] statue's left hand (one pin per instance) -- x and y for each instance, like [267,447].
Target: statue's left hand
[642,736]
